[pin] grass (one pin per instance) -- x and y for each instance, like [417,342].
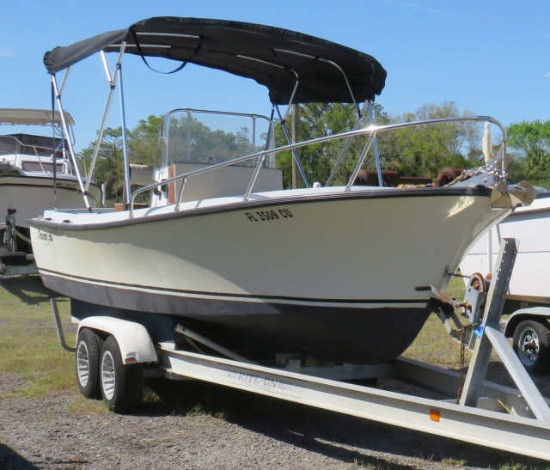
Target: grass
[433,344]
[29,346]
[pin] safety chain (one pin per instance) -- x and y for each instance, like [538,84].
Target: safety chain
[492,169]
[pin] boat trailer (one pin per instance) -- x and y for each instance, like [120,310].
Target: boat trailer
[12,261]
[511,419]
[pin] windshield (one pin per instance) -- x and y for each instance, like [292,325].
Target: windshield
[206,137]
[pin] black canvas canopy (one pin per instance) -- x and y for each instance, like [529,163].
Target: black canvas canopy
[272,56]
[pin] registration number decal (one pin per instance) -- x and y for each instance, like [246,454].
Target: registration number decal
[44,236]
[269,215]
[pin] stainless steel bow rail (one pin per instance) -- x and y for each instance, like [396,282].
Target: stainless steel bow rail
[370,133]
[488,414]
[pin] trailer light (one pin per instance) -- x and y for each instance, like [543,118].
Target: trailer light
[435,415]
[131,358]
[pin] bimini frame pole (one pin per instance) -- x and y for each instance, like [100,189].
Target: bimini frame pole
[295,156]
[65,127]
[127,189]
[359,123]
[112,84]
[355,104]
[375,147]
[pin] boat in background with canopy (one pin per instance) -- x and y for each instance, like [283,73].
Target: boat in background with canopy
[36,172]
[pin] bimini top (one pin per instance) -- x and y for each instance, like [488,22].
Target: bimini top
[272,56]
[32,116]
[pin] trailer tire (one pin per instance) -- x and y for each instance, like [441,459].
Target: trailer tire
[532,345]
[121,384]
[88,345]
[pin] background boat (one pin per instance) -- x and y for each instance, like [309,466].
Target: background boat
[35,172]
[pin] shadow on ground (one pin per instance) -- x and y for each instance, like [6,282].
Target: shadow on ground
[347,439]
[29,289]
[10,460]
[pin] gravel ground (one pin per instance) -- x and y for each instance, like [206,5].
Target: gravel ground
[199,426]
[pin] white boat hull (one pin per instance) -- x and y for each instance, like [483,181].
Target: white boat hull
[530,226]
[31,195]
[315,271]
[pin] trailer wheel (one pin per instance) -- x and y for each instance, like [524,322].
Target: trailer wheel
[121,385]
[532,345]
[86,356]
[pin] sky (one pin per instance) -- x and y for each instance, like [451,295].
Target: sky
[488,57]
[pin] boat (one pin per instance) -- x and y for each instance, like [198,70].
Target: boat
[329,271]
[530,277]
[35,172]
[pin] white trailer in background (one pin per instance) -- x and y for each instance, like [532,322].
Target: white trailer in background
[528,297]
[115,349]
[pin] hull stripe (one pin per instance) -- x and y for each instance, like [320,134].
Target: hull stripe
[241,297]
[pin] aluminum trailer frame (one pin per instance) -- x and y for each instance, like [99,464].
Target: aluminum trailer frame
[521,435]
[487,414]
[8,270]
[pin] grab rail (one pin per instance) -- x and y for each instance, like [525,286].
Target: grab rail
[371,130]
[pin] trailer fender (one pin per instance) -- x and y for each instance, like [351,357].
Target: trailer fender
[542,313]
[133,338]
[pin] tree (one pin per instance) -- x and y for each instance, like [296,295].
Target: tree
[109,168]
[143,141]
[424,151]
[529,142]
